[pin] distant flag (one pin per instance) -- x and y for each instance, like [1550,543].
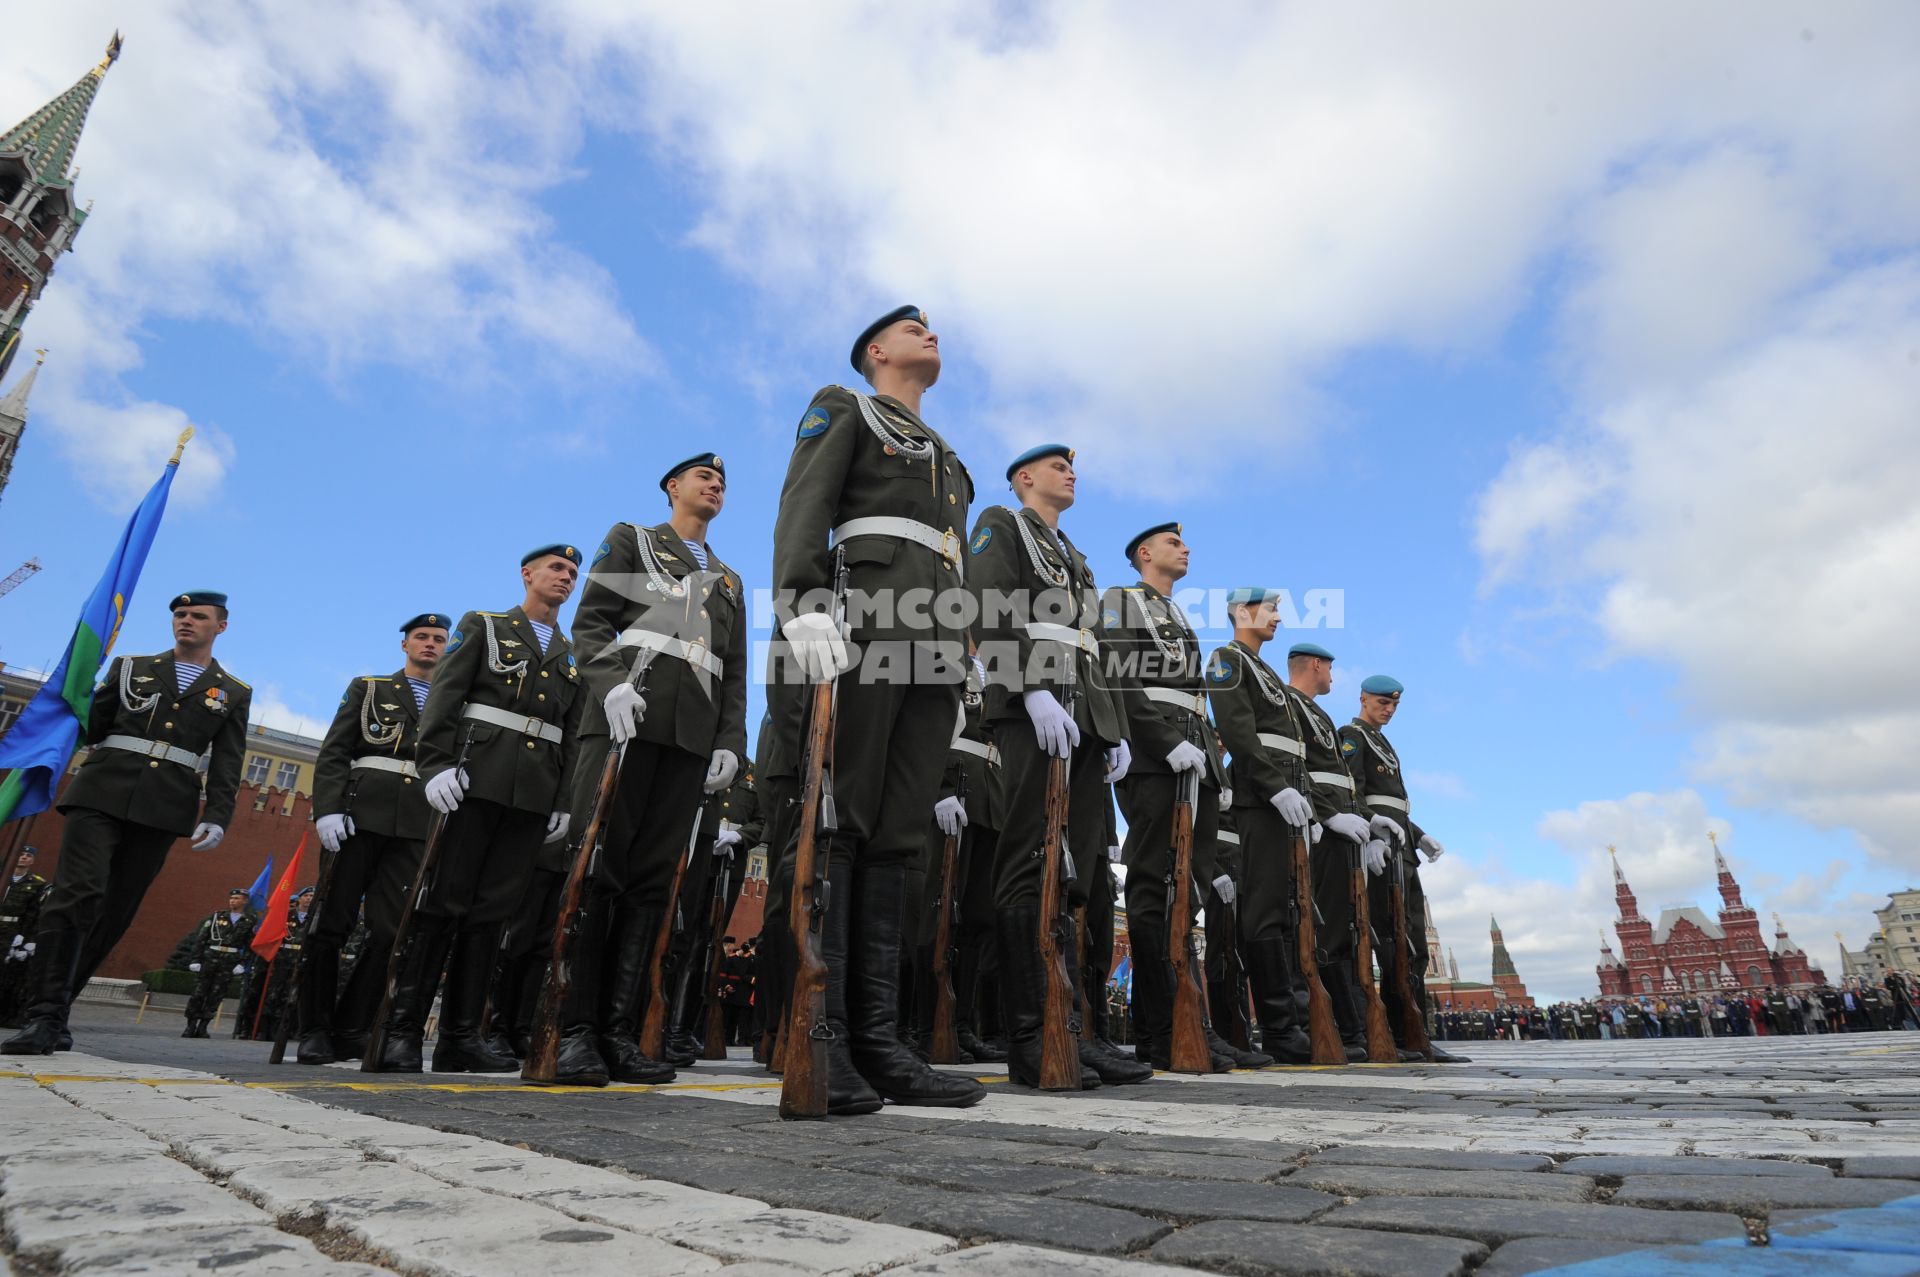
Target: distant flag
[257,893]
[272,931]
[45,735]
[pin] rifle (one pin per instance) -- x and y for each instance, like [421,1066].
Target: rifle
[422,877]
[1413,1021]
[1059,1026]
[803,1077]
[714,1042]
[1380,1048]
[542,1064]
[945,1047]
[296,995]
[1233,974]
[1089,979]
[1189,1052]
[1322,1030]
[653,1025]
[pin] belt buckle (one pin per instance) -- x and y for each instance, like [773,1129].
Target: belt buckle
[950,547]
[696,650]
[1083,639]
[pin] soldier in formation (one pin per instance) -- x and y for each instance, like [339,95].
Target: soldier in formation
[19,923]
[219,954]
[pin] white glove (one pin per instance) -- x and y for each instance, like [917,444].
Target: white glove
[1314,838]
[445,790]
[1388,827]
[1431,845]
[1119,758]
[819,644]
[1348,825]
[1223,888]
[951,815]
[725,841]
[721,769]
[1375,855]
[1186,757]
[1056,732]
[29,947]
[557,826]
[333,830]
[625,708]
[17,942]
[1226,800]
[207,835]
[1113,854]
[193,967]
[1294,808]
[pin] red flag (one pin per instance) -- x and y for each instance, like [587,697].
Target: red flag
[272,932]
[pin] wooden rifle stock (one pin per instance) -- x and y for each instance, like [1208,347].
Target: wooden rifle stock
[653,1025]
[1322,1030]
[1188,1052]
[1380,1048]
[1413,1018]
[1059,1034]
[803,1063]
[322,888]
[436,834]
[542,1064]
[945,1046]
[713,1044]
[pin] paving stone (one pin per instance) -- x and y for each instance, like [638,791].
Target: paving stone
[647,1206]
[1040,1221]
[1881,1168]
[1428,1159]
[955,1172]
[806,1239]
[1544,1254]
[302,1188]
[53,1165]
[1067,1137]
[1296,1250]
[1612,1164]
[972,1149]
[42,1218]
[1186,1200]
[242,1248]
[1273,1151]
[1493,1221]
[1002,1259]
[1365,1181]
[1755,1194]
[1120,1161]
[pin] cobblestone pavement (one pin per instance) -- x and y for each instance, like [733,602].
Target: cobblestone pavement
[144,1153]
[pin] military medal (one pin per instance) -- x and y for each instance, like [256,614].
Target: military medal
[217,699]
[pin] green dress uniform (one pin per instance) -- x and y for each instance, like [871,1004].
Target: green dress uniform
[1227,985]
[19,923]
[1153,659]
[508,713]
[735,808]
[220,952]
[645,593]
[1381,787]
[137,791]
[365,771]
[1263,733]
[1331,861]
[870,477]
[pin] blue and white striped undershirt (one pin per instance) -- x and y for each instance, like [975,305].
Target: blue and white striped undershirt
[419,691]
[543,632]
[186,672]
[699,553]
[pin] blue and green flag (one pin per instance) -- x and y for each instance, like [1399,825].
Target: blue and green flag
[50,727]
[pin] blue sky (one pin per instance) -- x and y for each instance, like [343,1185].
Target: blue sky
[1504,348]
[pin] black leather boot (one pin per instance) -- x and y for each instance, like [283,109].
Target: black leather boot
[966,995]
[460,1048]
[1226,1010]
[1270,972]
[683,1045]
[880,903]
[503,1004]
[1152,997]
[420,970]
[1096,1053]
[773,981]
[577,1058]
[49,983]
[629,947]
[848,1093]
[319,978]
[1338,978]
[1023,993]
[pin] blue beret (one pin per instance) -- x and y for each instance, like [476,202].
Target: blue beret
[1250,594]
[197,598]
[1381,685]
[427,621]
[709,459]
[560,548]
[1032,455]
[1153,531]
[872,330]
[1310,649]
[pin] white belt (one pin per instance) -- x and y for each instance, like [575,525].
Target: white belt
[1227,835]
[1390,803]
[944,544]
[1335,779]
[152,749]
[979,749]
[375,763]
[698,655]
[525,724]
[1285,744]
[1192,702]
[1047,630]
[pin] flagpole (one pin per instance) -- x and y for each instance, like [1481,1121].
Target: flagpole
[180,446]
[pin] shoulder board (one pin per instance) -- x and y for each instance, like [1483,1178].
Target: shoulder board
[243,682]
[498,614]
[374,678]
